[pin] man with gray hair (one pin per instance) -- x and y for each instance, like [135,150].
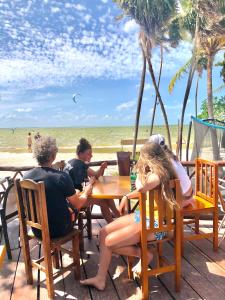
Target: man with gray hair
[59,189]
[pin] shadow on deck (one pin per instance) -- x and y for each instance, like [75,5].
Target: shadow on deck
[203,274]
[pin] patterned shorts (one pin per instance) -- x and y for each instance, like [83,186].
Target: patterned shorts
[158,235]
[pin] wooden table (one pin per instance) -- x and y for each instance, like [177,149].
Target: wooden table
[111,187]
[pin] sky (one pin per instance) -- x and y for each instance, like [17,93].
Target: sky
[72,63]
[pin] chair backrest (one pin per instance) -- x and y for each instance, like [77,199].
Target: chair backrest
[123,160]
[32,206]
[163,212]
[9,203]
[206,180]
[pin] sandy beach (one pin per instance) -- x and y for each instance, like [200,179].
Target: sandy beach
[26,159]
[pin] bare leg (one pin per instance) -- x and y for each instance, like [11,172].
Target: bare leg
[122,232]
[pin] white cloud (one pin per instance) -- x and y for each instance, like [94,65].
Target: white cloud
[131,26]
[80,7]
[104,1]
[55,9]
[148,86]
[28,109]
[87,18]
[125,105]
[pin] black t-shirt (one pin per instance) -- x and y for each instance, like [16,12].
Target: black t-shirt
[58,186]
[77,169]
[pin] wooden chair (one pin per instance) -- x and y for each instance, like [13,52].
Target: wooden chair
[124,163]
[205,201]
[32,211]
[168,216]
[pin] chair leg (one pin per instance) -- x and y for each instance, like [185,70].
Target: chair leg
[26,255]
[130,260]
[49,273]
[56,259]
[182,234]
[89,225]
[76,256]
[215,230]
[144,286]
[6,237]
[81,232]
[159,255]
[197,217]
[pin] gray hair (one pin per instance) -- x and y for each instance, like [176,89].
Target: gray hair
[44,149]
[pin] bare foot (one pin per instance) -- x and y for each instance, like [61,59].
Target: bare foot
[137,268]
[96,282]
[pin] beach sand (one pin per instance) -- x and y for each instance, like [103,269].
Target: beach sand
[26,159]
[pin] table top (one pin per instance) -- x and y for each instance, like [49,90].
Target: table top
[109,187]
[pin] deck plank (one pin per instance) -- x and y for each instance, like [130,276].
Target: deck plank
[8,270]
[130,289]
[201,285]
[203,274]
[21,289]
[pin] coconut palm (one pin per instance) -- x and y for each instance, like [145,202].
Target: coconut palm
[205,20]
[153,17]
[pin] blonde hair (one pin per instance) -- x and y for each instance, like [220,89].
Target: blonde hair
[154,160]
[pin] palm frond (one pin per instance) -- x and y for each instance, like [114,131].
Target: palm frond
[178,75]
[219,89]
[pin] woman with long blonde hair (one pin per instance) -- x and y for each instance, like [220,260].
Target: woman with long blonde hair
[122,235]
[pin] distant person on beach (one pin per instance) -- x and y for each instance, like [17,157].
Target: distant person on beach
[122,236]
[29,142]
[62,201]
[79,172]
[185,181]
[37,136]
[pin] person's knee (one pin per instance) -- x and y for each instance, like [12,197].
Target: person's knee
[102,233]
[109,241]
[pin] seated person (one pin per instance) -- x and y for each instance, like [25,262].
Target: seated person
[79,172]
[185,181]
[59,189]
[122,236]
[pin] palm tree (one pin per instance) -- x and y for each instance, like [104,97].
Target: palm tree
[139,102]
[204,19]
[153,17]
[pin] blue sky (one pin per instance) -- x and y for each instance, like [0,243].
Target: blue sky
[51,50]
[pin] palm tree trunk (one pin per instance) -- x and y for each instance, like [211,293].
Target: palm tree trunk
[160,101]
[209,86]
[196,97]
[215,146]
[140,96]
[156,98]
[188,87]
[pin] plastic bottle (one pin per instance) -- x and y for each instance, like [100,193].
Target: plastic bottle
[133,177]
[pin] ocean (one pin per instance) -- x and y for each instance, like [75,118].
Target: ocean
[103,139]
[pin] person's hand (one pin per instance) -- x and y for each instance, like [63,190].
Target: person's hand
[88,189]
[123,205]
[104,165]
[92,180]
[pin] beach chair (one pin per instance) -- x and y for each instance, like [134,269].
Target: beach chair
[32,208]
[169,222]
[205,202]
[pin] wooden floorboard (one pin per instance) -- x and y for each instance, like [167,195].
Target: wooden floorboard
[203,274]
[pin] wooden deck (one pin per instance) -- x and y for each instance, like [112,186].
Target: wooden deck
[203,274]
